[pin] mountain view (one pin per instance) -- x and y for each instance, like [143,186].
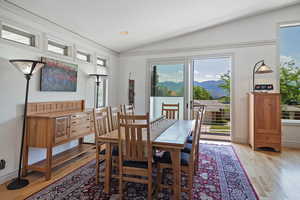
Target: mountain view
[212,86]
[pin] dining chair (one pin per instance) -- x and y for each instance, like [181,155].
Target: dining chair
[188,161]
[196,109]
[170,111]
[189,145]
[101,123]
[127,109]
[135,151]
[113,118]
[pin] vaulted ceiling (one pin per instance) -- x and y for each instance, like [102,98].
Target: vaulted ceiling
[145,21]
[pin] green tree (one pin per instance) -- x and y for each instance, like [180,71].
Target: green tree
[201,94]
[226,85]
[289,83]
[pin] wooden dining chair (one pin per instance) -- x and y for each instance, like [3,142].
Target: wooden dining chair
[196,109]
[101,123]
[135,151]
[170,111]
[127,109]
[189,145]
[113,118]
[188,161]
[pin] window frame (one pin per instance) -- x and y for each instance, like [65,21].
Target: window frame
[57,44]
[89,56]
[102,59]
[279,27]
[21,32]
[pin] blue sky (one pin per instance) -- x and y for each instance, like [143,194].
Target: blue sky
[210,69]
[290,44]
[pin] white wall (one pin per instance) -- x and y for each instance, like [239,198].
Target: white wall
[247,40]
[12,82]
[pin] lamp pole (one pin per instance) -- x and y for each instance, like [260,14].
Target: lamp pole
[97,86]
[19,183]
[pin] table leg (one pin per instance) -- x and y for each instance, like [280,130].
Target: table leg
[176,165]
[107,175]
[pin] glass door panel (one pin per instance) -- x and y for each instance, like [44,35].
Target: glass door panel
[167,86]
[211,79]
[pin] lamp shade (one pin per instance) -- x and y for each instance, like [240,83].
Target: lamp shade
[27,66]
[263,69]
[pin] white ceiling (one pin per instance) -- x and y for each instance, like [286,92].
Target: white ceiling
[145,20]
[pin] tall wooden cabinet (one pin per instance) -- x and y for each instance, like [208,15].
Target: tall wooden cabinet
[264,120]
[50,124]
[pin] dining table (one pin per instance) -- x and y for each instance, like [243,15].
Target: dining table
[167,135]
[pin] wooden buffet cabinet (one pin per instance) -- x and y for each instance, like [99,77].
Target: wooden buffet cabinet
[264,120]
[54,123]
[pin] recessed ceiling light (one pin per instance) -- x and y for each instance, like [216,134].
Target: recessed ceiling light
[124,32]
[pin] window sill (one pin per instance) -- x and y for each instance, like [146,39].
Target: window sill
[290,122]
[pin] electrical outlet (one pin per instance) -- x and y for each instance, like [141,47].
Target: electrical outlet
[2,164]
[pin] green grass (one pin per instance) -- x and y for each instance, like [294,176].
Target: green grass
[220,127]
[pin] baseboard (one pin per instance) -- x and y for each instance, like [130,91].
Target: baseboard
[8,176]
[291,144]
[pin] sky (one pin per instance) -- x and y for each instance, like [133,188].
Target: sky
[290,44]
[210,69]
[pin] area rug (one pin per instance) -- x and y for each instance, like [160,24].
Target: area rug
[220,177]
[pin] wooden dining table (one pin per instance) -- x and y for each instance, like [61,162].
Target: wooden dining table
[167,135]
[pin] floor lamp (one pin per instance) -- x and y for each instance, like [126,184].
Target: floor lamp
[98,81]
[28,68]
[260,68]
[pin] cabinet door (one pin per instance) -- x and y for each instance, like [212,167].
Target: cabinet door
[267,114]
[61,129]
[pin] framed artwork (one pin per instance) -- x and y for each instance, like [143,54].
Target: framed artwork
[58,76]
[131,92]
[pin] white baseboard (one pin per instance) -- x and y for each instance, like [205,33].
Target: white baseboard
[8,176]
[291,144]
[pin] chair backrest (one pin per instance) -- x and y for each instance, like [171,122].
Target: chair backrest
[132,143]
[127,109]
[196,108]
[196,134]
[170,111]
[113,118]
[101,121]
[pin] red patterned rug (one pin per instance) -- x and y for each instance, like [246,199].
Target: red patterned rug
[220,177]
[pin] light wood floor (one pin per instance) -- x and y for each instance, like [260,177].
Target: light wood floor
[275,176]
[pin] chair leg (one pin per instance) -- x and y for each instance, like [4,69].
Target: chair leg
[97,164]
[150,188]
[190,185]
[121,187]
[159,177]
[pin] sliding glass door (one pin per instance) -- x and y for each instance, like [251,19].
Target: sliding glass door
[211,81]
[167,86]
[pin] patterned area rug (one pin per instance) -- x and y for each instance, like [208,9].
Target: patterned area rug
[220,176]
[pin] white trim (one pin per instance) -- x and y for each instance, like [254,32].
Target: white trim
[8,176]
[291,144]
[200,48]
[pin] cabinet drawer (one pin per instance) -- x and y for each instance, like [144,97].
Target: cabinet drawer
[274,139]
[80,130]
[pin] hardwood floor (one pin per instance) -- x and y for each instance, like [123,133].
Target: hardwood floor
[275,176]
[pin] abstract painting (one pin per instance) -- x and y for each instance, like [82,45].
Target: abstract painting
[58,76]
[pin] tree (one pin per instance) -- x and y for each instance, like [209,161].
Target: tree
[290,83]
[201,94]
[226,85]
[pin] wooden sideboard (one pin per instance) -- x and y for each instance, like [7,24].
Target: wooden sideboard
[264,120]
[54,123]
